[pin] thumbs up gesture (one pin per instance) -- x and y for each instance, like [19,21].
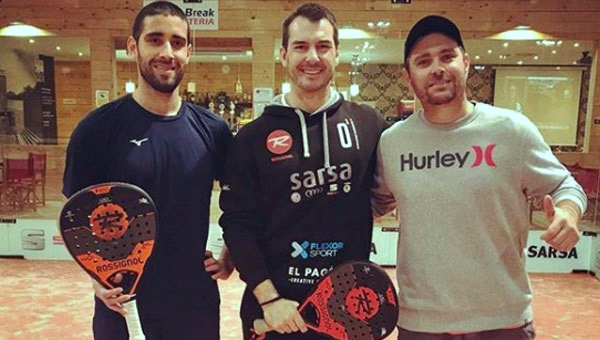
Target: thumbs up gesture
[562,232]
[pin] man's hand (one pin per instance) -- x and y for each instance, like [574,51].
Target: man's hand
[283,316]
[112,298]
[219,268]
[562,232]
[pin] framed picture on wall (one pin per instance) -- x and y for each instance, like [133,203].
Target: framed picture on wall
[3,99]
[101,97]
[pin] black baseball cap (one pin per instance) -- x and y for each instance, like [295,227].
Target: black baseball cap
[431,24]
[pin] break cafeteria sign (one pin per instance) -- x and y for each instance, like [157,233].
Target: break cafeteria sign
[201,14]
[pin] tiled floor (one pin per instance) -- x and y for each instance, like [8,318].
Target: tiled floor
[53,300]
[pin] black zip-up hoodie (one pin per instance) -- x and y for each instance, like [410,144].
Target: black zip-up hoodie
[295,193]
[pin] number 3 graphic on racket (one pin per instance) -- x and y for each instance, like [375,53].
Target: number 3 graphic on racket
[110,229]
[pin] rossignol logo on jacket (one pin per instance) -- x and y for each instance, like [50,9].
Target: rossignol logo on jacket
[483,156]
[279,142]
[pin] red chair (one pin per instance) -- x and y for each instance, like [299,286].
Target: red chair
[589,179]
[17,184]
[37,164]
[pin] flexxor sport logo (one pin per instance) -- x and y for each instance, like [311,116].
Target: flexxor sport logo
[483,155]
[308,249]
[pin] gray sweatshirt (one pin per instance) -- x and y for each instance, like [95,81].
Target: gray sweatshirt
[461,192]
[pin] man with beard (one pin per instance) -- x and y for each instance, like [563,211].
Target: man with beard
[174,151]
[295,196]
[460,173]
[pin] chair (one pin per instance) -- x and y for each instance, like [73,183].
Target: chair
[17,183]
[589,179]
[37,163]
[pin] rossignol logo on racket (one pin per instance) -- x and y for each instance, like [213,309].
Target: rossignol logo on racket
[484,155]
[109,221]
[125,263]
[362,303]
[321,300]
[308,249]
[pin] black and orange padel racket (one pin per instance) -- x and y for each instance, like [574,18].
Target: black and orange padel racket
[355,301]
[109,229]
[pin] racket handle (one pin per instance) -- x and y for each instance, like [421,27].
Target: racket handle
[261,327]
[132,318]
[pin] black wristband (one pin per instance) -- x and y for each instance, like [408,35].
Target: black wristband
[278,297]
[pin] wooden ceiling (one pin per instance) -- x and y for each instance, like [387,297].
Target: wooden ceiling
[203,44]
[570,19]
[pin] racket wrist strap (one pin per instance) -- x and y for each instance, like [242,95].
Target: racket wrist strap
[264,303]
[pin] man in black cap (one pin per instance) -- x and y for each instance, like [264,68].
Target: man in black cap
[460,173]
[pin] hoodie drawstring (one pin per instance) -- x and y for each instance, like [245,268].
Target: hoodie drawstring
[305,145]
[304,132]
[325,140]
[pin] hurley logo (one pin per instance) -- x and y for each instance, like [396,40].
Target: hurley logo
[447,160]
[138,142]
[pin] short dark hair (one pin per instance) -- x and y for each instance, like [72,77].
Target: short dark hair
[313,12]
[428,25]
[157,8]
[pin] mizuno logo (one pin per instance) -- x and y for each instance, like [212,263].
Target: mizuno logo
[138,142]
[410,162]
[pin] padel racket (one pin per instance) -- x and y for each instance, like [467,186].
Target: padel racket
[355,301]
[109,229]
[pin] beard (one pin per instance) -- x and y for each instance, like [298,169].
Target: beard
[437,98]
[434,96]
[311,85]
[160,83]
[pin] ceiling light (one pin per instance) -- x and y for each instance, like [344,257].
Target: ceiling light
[349,31]
[381,24]
[520,33]
[548,43]
[129,86]
[19,29]
[354,90]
